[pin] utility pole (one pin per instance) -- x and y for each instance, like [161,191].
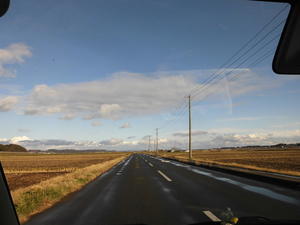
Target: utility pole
[156,141]
[190,129]
[149,143]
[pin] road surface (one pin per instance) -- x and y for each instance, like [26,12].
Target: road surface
[147,190]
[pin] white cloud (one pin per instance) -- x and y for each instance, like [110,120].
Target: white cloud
[4,141]
[186,133]
[110,111]
[125,125]
[44,144]
[8,103]
[253,138]
[38,144]
[69,116]
[239,82]
[123,95]
[96,124]
[112,141]
[12,54]
[233,137]
[47,142]
[209,140]
[59,144]
[126,94]
[18,139]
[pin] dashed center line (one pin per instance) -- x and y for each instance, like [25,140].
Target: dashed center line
[164,175]
[211,216]
[150,164]
[123,166]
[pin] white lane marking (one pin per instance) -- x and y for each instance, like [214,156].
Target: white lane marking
[162,160]
[126,161]
[164,175]
[150,164]
[255,189]
[211,216]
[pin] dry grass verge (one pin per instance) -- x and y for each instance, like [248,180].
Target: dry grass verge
[26,169]
[38,197]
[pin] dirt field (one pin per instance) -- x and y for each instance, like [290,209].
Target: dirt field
[38,181]
[25,169]
[274,160]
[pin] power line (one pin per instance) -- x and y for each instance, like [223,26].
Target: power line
[246,44]
[245,53]
[217,78]
[241,54]
[179,115]
[173,123]
[262,58]
[245,60]
[256,62]
[259,60]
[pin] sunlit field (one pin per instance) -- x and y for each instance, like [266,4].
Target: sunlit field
[25,169]
[37,181]
[271,160]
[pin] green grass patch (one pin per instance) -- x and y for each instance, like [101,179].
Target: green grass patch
[82,180]
[31,200]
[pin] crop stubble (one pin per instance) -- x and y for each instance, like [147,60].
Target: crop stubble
[25,169]
[271,160]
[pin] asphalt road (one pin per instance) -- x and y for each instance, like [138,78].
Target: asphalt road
[149,190]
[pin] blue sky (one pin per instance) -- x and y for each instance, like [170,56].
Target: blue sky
[107,73]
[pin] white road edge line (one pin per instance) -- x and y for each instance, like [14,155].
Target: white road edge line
[164,175]
[211,216]
[150,164]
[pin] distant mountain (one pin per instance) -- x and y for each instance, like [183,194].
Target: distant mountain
[12,148]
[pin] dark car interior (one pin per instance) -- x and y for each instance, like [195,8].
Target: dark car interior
[286,61]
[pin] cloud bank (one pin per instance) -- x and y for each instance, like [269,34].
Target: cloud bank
[201,140]
[123,95]
[8,103]
[13,54]
[126,95]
